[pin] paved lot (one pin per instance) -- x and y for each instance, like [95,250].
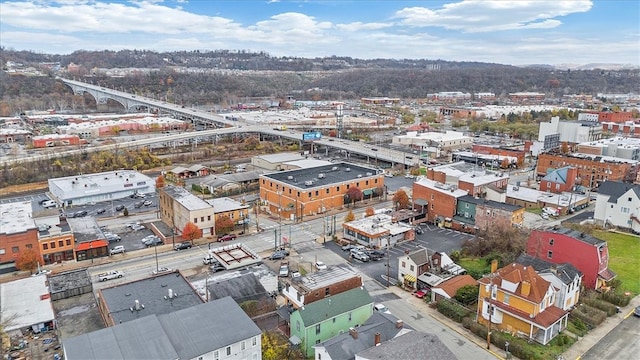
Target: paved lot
[433,238]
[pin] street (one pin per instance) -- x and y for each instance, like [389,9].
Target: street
[621,343]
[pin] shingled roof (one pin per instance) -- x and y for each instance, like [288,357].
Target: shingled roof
[565,271]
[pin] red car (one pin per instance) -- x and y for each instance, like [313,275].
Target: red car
[227,237]
[420,293]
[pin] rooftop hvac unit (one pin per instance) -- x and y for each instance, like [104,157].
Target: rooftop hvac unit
[347,169]
[290,177]
[359,175]
[308,183]
[335,168]
[369,174]
[320,176]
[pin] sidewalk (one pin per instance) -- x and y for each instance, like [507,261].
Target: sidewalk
[576,351]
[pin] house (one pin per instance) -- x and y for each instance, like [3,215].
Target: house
[331,316]
[377,231]
[196,332]
[412,345]
[380,327]
[320,285]
[178,207]
[564,277]
[617,204]
[234,210]
[562,245]
[517,300]
[559,180]
[178,174]
[448,288]
[412,265]
[480,214]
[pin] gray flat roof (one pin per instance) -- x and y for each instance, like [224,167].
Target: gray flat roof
[324,278]
[79,186]
[151,293]
[323,175]
[185,198]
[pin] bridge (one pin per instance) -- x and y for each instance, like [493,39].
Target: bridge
[223,126]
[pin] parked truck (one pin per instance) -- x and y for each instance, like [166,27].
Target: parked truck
[115,274]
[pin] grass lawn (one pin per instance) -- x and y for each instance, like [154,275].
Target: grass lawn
[475,265]
[624,258]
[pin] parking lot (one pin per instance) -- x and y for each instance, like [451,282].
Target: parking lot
[432,238]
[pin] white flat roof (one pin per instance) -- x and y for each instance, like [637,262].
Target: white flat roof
[225,204]
[281,157]
[21,302]
[16,217]
[440,187]
[72,187]
[379,224]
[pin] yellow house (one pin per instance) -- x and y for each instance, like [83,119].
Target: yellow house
[517,300]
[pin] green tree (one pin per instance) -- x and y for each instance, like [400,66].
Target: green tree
[467,294]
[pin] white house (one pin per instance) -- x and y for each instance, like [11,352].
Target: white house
[618,205]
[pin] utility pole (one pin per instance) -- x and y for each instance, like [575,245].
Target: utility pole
[388,270]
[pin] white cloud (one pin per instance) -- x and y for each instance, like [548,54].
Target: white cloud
[484,16]
[359,26]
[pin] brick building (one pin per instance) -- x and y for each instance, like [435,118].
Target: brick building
[560,180]
[295,193]
[492,150]
[439,200]
[18,233]
[592,169]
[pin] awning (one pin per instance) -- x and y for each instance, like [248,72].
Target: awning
[607,274]
[83,246]
[367,192]
[420,202]
[409,278]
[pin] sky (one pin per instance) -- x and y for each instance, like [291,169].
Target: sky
[516,32]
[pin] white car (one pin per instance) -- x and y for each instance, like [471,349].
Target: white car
[320,265]
[161,270]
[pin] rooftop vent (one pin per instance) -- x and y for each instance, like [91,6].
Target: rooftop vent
[335,168]
[308,183]
[320,176]
[290,177]
[369,174]
[359,175]
[347,169]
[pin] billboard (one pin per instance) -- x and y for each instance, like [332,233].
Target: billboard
[311,136]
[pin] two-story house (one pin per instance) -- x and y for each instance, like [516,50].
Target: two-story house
[559,180]
[319,285]
[586,253]
[564,277]
[179,207]
[323,319]
[618,205]
[480,214]
[416,263]
[234,210]
[517,300]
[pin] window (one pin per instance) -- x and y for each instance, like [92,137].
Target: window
[254,341]
[506,299]
[195,220]
[327,191]
[624,210]
[318,341]
[549,254]
[52,244]
[15,249]
[327,292]
[629,199]
[202,219]
[317,193]
[494,291]
[432,196]
[68,242]
[45,246]
[216,355]
[242,345]
[208,217]
[410,267]
[228,350]
[29,246]
[466,206]
[338,188]
[404,264]
[334,320]
[349,316]
[60,243]
[317,329]
[551,242]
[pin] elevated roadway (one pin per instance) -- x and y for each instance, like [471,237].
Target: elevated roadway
[223,126]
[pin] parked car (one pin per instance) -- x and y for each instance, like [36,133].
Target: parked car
[420,293]
[376,254]
[120,207]
[153,241]
[360,255]
[114,274]
[295,274]
[347,247]
[117,250]
[111,237]
[101,211]
[182,246]
[284,269]
[217,267]
[381,308]
[227,237]
[138,205]
[321,265]
[147,203]
[636,311]
[278,255]
[137,227]
[161,270]
[81,213]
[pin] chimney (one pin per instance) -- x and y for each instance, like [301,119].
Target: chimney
[399,324]
[526,288]
[353,332]
[494,265]
[170,294]
[376,339]
[137,306]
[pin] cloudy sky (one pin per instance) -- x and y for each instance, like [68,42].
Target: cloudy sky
[501,31]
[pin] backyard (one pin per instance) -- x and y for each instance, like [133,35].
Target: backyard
[624,257]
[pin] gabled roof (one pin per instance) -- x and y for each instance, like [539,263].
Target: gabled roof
[420,256]
[412,345]
[184,334]
[345,346]
[577,235]
[489,203]
[615,189]
[565,272]
[558,176]
[334,305]
[451,286]
[519,275]
[241,288]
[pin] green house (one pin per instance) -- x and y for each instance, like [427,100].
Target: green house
[326,318]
